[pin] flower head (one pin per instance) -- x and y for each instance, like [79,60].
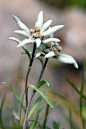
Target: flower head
[42,34]
[39,33]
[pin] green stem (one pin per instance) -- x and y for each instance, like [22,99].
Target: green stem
[26,93]
[28,107]
[45,119]
[29,68]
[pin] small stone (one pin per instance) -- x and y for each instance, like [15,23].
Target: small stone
[32,30]
[37,29]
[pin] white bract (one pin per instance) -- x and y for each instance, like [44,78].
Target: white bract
[39,33]
[49,46]
[64,58]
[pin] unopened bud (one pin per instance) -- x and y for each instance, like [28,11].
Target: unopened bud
[54,49]
[37,29]
[35,35]
[41,36]
[56,53]
[32,30]
[59,48]
[49,45]
[46,50]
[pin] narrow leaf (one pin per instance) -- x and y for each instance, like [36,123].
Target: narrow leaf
[1,108]
[21,25]
[43,95]
[46,25]
[51,40]
[39,21]
[75,88]
[64,58]
[42,83]
[33,124]
[21,32]
[82,85]
[15,94]
[52,30]
[41,60]
[35,105]
[24,47]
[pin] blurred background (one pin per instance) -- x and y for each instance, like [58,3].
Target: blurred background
[13,65]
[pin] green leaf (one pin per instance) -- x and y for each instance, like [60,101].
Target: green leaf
[47,128]
[82,85]
[41,60]
[42,83]
[33,124]
[15,94]
[75,88]
[24,47]
[1,107]
[56,125]
[43,95]
[64,58]
[35,105]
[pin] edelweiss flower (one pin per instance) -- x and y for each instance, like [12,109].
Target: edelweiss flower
[54,50]
[39,33]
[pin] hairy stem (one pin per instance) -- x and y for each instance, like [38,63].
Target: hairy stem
[28,107]
[45,119]
[29,68]
[42,71]
[26,93]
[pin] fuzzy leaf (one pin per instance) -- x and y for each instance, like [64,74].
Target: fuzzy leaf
[50,54]
[42,83]
[41,60]
[64,58]
[35,105]
[15,94]
[39,21]
[21,32]
[38,42]
[21,25]
[39,54]
[46,25]
[43,95]
[25,41]
[24,47]
[51,40]
[52,30]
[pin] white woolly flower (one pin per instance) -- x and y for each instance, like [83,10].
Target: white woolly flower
[54,50]
[39,33]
